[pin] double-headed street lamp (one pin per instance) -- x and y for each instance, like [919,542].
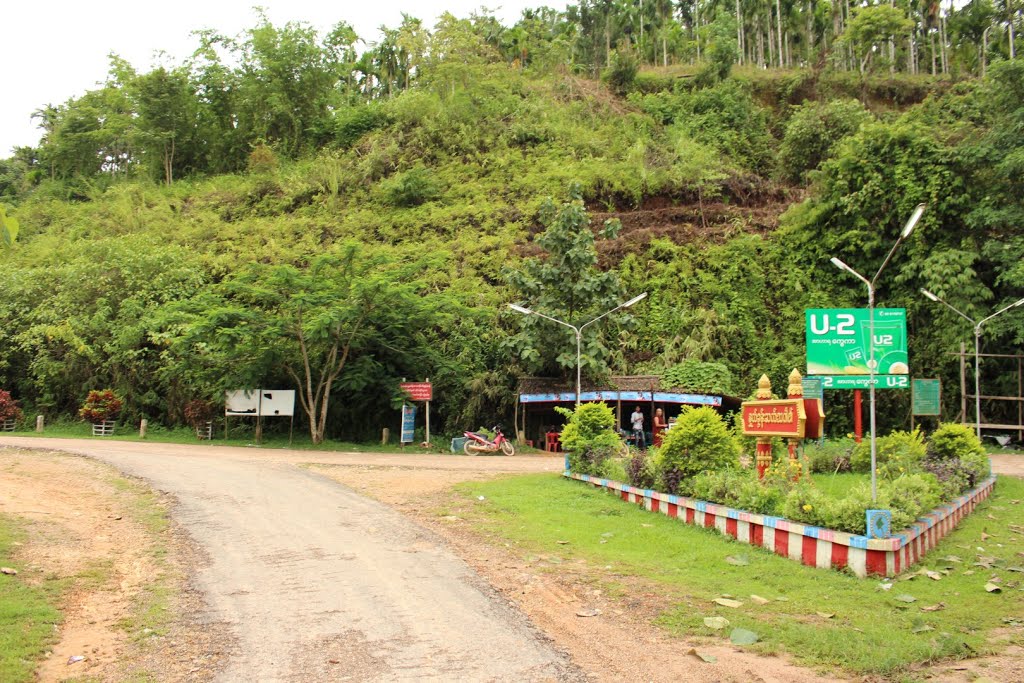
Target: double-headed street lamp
[977,344]
[577,330]
[907,229]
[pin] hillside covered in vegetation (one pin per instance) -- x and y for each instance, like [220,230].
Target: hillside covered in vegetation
[281,210]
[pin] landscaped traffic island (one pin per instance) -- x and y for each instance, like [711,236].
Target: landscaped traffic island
[814,509]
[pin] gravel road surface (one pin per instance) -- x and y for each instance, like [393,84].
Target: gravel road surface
[319,583]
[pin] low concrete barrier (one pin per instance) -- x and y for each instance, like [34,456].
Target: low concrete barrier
[813,546]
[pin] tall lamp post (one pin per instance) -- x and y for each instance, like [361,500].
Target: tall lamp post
[907,229]
[577,330]
[977,346]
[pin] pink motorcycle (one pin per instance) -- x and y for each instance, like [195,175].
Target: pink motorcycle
[478,443]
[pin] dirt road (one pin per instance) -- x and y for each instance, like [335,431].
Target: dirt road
[319,583]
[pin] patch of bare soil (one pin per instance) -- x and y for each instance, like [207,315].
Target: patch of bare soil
[618,643]
[97,531]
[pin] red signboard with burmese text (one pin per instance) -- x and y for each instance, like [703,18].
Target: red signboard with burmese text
[418,391]
[784,417]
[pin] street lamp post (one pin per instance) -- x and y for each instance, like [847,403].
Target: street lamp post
[577,330]
[977,348]
[907,229]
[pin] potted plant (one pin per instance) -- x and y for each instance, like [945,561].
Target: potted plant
[10,413]
[199,414]
[101,408]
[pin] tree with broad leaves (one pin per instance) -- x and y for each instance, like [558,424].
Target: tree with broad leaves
[336,323]
[566,283]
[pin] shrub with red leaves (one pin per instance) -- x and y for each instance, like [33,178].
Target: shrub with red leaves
[101,406]
[9,409]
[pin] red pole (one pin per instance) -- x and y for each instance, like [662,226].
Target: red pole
[858,421]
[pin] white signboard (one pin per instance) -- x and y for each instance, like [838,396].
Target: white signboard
[260,402]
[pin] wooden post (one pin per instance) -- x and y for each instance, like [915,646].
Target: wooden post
[428,418]
[764,443]
[963,383]
[40,423]
[515,422]
[142,428]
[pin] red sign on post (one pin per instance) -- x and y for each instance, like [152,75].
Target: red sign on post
[785,417]
[418,391]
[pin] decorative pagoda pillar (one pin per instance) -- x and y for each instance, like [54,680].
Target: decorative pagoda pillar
[764,443]
[795,390]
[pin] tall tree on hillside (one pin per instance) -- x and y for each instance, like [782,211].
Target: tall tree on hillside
[567,284]
[166,115]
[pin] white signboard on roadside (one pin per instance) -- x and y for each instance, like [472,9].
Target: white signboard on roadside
[260,402]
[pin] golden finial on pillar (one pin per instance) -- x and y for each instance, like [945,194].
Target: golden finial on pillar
[764,388]
[796,388]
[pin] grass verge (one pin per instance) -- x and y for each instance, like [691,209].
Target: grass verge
[822,618]
[240,437]
[28,612]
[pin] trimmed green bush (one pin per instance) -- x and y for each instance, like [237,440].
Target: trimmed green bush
[590,439]
[700,441]
[952,440]
[898,450]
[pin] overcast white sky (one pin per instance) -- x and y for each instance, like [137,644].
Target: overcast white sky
[58,49]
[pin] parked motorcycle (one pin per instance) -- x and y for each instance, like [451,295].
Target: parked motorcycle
[478,443]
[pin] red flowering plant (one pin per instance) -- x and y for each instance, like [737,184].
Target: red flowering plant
[198,412]
[101,406]
[9,409]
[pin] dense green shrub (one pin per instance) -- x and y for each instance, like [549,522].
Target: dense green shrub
[700,441]
[641,470]
[830,456]
[808,505]
[351,123]
[812,132]
[952,440]
[911,496]
[722,486]
[698,376]
[897,453]
[956,458]
[724,116]
[590,439]
[622,72]
[411,188]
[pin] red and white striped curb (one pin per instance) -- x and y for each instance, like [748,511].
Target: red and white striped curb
[813,546]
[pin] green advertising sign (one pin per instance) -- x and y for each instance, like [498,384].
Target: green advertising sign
[837,344]
[864,381]
[926,396]
[812,387]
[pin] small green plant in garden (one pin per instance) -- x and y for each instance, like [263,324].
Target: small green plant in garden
[957,458]
[897,450]
[589,438]
[101,406]
[700,441]
[830,456]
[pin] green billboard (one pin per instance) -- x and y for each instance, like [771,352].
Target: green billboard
[837,343]
[926,397]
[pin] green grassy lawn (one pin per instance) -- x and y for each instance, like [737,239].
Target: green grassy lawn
[823,618]
[271,440]
[27,612]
